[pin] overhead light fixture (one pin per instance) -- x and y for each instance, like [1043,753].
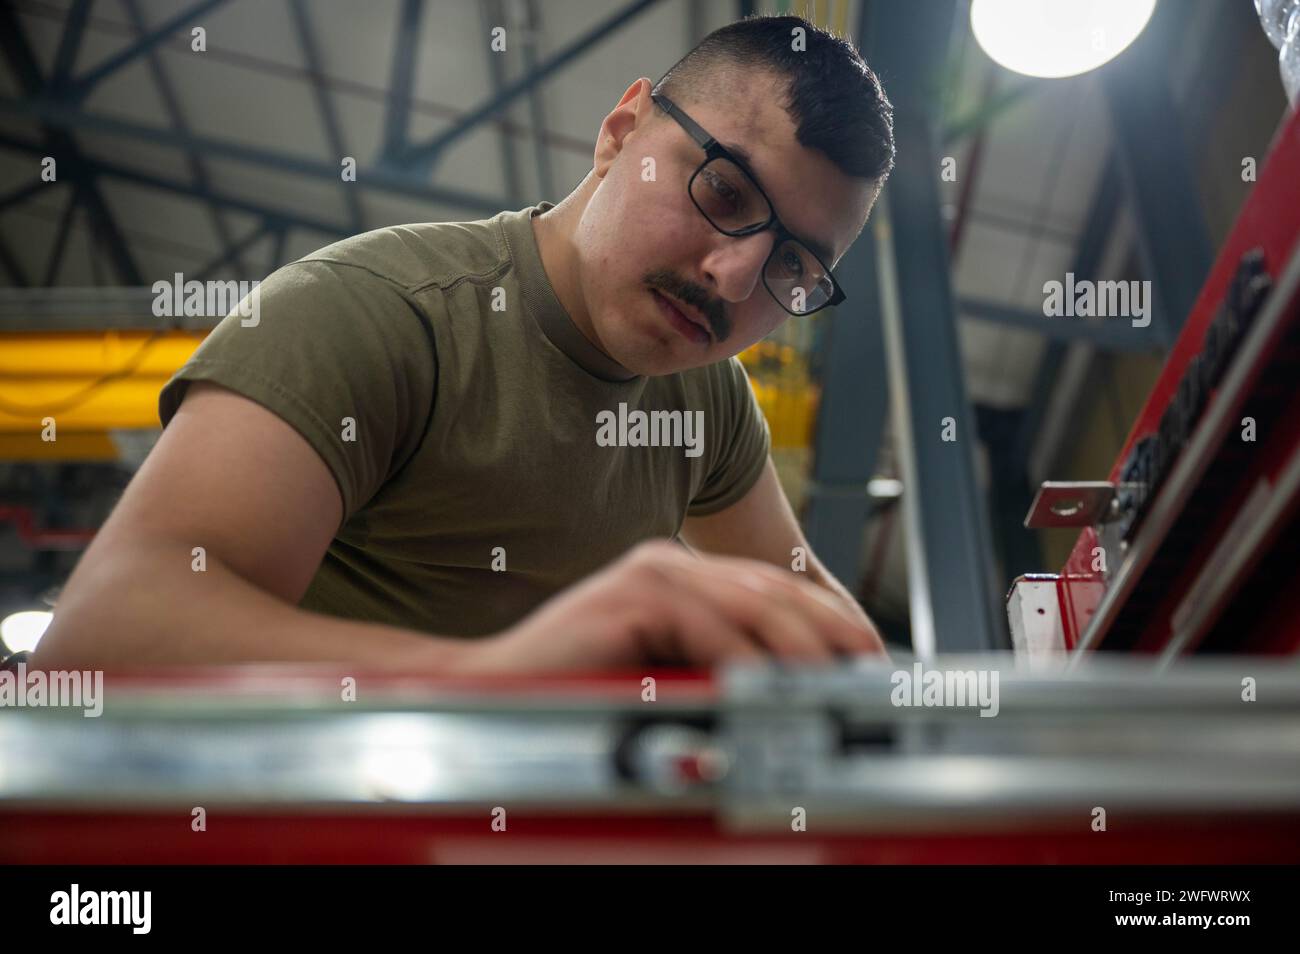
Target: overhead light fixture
[1056,38]
[20,632]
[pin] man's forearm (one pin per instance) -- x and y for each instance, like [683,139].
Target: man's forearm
[140,609]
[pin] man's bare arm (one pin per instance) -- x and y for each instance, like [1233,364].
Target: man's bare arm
[232,477]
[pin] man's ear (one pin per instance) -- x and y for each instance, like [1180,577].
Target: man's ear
[632,111]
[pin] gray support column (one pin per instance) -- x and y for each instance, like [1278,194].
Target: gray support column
[850,420]
[951,567]
[854,402]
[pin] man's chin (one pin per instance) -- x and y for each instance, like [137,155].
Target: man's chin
[654,365]
[652,351]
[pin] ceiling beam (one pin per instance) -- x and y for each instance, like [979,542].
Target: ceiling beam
[81,86]
[1096,232]
[11,265]
[325,106]
[113,170]
[401,83]
[265,228]
[1111,334]
[74,27]
[57,143]
[494,15]
[61,236]
[536,107]
[425,154]
[400,182]
[198,170]
[20,194]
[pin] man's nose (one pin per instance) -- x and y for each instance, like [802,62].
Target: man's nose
[735,265]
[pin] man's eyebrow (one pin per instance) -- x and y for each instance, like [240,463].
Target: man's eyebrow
[820,249]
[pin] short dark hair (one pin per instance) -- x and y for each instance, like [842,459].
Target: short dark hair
[836,102]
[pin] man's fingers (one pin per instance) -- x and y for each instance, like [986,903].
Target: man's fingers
[781,624]
[689,629]
[843,631]
[749,604]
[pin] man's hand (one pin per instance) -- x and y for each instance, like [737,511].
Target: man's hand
[661,605]
[762,526]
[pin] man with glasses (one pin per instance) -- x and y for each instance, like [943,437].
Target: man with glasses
[404,461]
[727,195]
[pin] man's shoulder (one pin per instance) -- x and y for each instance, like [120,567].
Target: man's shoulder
[420,255]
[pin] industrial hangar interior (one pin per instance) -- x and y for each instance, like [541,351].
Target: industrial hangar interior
[1046,426]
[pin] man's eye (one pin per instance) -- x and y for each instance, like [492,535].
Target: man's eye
[722,188]
[792,263]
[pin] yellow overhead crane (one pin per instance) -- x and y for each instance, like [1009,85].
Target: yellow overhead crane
[88,383]
[81,369]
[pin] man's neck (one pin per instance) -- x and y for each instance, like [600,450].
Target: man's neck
[554,231]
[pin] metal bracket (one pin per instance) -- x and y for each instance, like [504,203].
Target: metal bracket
[1084,503]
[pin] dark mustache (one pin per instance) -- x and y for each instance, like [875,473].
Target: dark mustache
[667,282]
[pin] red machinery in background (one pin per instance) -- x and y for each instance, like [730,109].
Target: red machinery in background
[1192,545]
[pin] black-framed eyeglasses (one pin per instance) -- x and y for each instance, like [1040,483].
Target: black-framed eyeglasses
[733,202]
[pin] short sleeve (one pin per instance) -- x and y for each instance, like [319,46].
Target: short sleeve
[344,356]
[743,448]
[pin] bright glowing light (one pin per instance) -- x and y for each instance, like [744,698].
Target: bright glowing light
[20,632]
[884,487]
[1055,38]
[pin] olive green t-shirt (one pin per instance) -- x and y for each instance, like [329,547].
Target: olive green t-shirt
[488,455]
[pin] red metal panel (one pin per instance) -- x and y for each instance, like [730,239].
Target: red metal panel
[371,838]
[1081,588]
[1269,220]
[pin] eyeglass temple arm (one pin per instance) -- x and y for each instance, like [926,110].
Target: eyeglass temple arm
[694,130]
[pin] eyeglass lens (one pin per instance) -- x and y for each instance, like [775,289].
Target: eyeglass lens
[732,201]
